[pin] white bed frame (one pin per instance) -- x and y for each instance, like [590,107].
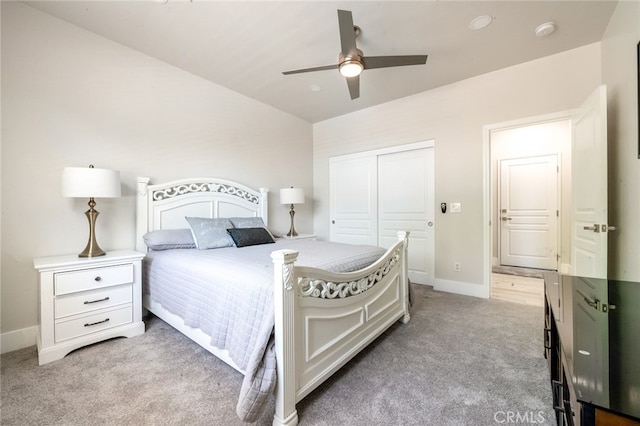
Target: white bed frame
[322,319]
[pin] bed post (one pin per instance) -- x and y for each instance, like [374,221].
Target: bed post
[285,308]
[264,205]
[142,212]
[404,275]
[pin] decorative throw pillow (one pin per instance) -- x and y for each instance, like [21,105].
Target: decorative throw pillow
[210,233]
[250,236]
[167,239]
[252,222]
[247,222]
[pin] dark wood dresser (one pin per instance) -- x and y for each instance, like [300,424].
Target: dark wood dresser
[592,346]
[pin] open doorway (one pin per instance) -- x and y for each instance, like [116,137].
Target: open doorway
[528,159]
[583,208]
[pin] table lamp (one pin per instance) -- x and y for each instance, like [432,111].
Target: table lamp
[292,196]
[89,182]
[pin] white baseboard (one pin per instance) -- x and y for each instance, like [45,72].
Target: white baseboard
[18,339]
[466,289]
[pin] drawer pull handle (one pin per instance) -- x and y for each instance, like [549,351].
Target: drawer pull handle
[547,338]
[88,302]
[96,323]
[558,397]
[97,278]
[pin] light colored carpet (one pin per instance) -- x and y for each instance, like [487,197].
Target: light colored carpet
[460,361]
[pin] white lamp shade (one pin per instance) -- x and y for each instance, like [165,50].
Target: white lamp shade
[88,182]
[292,196]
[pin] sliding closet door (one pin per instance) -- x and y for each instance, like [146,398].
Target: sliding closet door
[405,201]
[377,193]
[353,199]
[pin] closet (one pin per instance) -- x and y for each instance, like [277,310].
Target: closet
[374,194]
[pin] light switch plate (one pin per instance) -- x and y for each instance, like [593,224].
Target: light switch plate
[455,208]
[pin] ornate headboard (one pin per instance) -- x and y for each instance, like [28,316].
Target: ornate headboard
[164,206]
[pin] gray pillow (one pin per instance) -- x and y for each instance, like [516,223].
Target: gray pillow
[210,233]
[252,222]
[243,237]
[168,239]
[247,222]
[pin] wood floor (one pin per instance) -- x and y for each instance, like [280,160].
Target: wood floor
[512,288]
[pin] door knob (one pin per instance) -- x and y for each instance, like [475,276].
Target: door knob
[599,228]
[595,303]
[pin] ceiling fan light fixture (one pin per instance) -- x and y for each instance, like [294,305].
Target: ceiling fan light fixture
[351,68]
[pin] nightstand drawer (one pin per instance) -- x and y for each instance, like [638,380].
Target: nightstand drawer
[87,324]
[86,301]
[88,279]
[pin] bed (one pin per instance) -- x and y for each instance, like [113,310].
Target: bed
[315,317]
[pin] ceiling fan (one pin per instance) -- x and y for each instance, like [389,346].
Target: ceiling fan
[351,61]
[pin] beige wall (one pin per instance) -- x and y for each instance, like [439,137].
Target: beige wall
[454,117]
[72,98]
[619,73]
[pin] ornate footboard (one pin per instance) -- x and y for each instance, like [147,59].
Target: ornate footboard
[324,319]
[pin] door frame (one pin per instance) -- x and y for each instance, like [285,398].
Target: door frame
[488,241]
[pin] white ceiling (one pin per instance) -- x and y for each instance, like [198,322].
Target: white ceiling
[245,45]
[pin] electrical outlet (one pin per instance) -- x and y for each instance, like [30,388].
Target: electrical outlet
[457,266]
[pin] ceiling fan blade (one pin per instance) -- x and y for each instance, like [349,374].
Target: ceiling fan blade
[322,68]
[347,33]
[354,86]
[371,62]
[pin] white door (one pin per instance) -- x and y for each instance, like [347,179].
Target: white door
[529,212]
[353,200]
[377,193]
[589,187]
[405,202]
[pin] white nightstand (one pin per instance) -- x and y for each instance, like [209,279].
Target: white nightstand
[301,237]
[87,300]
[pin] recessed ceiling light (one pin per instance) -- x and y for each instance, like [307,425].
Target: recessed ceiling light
[480,22]
[315,88]
[545,29]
